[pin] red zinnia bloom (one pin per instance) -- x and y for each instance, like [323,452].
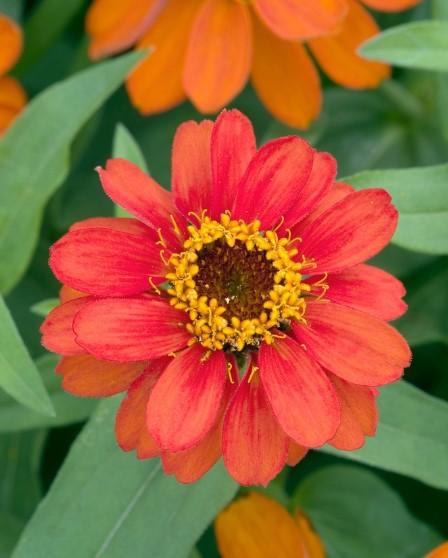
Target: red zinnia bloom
[235,311]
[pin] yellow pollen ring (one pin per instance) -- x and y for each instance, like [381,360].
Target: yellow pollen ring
[210,324]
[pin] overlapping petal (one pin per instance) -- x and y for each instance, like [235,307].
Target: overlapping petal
[391,5]
[11,43]
[12,100]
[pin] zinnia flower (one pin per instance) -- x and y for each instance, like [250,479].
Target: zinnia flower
[206,50]
[439,552]
[235,311]
[12,95]
[256,526]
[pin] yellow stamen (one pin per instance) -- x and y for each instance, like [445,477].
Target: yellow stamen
[154,286]
[252,373]
[229,372]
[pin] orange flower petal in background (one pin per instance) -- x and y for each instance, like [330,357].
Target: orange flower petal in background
[12,100]
[115,25]
[391,5]
[11,43]
[439,552]
[310,539]
[258,527]
[301,19]
[337,54]
[219,54]
[285,78]
[156,84]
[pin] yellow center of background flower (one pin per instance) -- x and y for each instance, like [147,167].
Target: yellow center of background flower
[238,284]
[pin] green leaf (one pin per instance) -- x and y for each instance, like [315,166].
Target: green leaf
[34,156]
[18,374]
[10,528]
[411,438]
[115,505]
[421,197]
[421,44]
[357,514]
[44,307]
[68,409]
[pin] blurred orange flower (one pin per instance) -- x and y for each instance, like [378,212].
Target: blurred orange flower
[12,95]
[439,552]
[258,527]
[206,50]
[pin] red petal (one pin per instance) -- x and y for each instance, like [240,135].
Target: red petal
[359,415]
[191,167]
[353,345]
[106,262]
[57,329]
[67,293]
[295,453]
[351,231]
[185,401]
[136,192]
[134,329]
[254,446]
[274,181]
[301,396]
[369,289]
[87,376]
[123,224]
[233,145]
[130,423]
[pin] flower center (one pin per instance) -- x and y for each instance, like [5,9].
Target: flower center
[238,284]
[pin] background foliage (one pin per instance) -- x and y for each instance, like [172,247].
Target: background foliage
[65,489]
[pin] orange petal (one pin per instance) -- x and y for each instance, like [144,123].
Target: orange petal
[337,54]
[11,43]
[88,376]
[301,19]
[312,544]
[439,552]
[219,54]
[295,453]
[156,85]
[115,25]
[285,78]
[66,293]
[12,100]
[257,527]
[391,6]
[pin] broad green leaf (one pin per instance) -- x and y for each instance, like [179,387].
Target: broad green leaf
[421,44]
[421,197]
[115,505]
[412,436]
[44,307]
[68,409]
[34,156]
[10,528]
[18,374]
[126,147]
[357,514]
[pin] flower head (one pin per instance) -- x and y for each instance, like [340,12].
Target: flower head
[12,96]
[206,50]
[235,311]
[256,526]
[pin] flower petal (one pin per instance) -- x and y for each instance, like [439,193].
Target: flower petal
[87,376]
[184,403]
[351,231]
[219,54]
[156,84]
[302,398]
[57,329]
[257,526]
[439,552]
[12,100]
[353,345]
[312,545]
[130,423]
[285,78]
[391,5]
[370,289]
[233,145]
[274,181]
[123,224]
[295,453]
[337,53]
[359,416]
[301,19]
[254,446]
[67,293]
[138,193]
[106,262]
[11,43]
[134,329]
[191,167]
[114,25]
